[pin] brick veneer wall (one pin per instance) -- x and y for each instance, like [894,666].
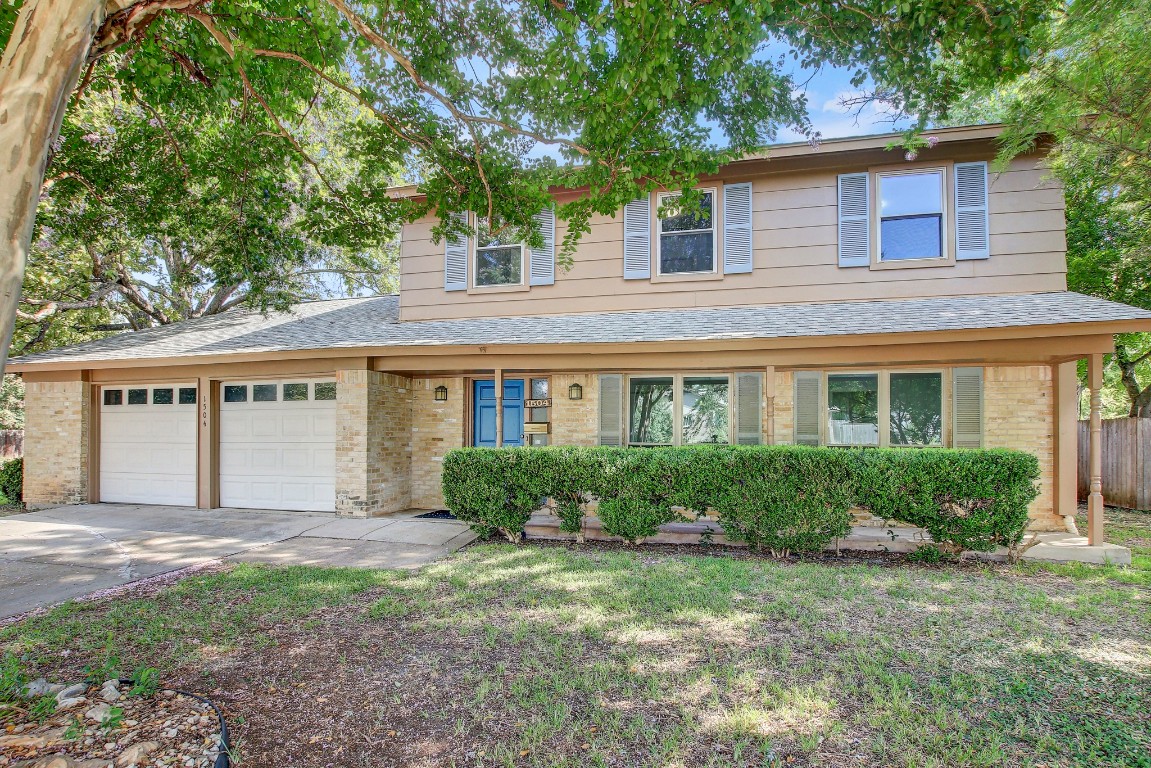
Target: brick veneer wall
[436,429]
[1019,412]
[575,422]
[56,442]
[373,443]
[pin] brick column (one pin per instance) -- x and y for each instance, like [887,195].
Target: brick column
[56,445]
[373,443]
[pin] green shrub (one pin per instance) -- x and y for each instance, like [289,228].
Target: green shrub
[966,499]
[495,489]
[633,519]
[782,498]
[12,480]
[793,499]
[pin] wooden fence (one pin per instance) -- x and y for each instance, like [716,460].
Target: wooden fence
[1126,462]
[11,444]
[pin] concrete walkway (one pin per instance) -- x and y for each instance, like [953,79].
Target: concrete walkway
[58,554]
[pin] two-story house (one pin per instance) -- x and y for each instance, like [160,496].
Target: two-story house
[838,295]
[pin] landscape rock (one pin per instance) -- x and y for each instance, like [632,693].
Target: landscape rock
[54,761]
[20,740]
[136,754]
[38,687]
[99,713]
[62,704]
[72,691]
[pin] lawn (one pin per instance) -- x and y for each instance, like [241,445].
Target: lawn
[594,656]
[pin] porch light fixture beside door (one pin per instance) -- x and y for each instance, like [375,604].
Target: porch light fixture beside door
[441,394]
[575,392]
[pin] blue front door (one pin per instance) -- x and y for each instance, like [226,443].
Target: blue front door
[485,413]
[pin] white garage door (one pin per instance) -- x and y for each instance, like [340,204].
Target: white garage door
[148,444]
[278,445]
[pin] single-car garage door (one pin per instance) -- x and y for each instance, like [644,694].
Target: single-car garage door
[148,444]
[278,445]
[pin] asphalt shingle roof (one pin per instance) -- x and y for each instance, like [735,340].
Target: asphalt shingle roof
[374,322]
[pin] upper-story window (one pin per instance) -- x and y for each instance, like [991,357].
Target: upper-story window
[687,238]
[499,259]
[914,217]
[910,215]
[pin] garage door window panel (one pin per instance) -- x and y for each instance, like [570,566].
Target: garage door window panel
[187,395]
[326,390]
[113,397]
[264,393]
[162,396]
[236,393]
[137,397]
[295,392]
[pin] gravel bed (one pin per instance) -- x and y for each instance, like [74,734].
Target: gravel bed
[107,727]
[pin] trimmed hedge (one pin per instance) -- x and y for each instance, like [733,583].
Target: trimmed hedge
[781,498]
[12,480]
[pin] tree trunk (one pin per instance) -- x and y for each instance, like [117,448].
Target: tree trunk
[38,72]
[1139,396]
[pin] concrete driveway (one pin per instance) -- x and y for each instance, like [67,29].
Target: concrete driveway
[58,554]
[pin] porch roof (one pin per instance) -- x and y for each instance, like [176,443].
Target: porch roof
[373,323]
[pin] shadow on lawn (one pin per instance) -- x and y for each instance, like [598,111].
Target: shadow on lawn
[529,656]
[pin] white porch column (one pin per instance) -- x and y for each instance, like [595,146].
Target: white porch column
[1095,500]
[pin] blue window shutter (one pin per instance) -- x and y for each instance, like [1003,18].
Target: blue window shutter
[542,267]
[637,239]
[972,229]
[854,220]
[456,258]
[737,233]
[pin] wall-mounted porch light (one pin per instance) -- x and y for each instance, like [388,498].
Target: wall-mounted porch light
[441,394]
[575,392]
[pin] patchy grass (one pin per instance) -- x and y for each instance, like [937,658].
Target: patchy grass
[1132,529]
[596,656]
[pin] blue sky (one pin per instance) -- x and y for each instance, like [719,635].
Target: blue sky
[825,88]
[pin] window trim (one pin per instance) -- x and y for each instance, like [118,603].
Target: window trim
[947,230]
[715,232]
[677,405]
[474,254]
[883,414]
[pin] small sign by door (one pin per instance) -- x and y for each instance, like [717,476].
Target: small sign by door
[544,403]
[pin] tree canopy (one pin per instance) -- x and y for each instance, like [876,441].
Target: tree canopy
[489,104]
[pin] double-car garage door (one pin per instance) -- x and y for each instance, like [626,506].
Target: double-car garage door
[277,444]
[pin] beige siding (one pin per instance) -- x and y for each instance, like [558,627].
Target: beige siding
[795,219]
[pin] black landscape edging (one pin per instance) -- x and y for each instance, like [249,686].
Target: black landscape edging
[224,758]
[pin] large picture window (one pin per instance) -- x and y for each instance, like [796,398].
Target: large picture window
[499,258]
[679,410]
[687,238]
[903,408]
[916,409]
[853,409]
[910,215]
